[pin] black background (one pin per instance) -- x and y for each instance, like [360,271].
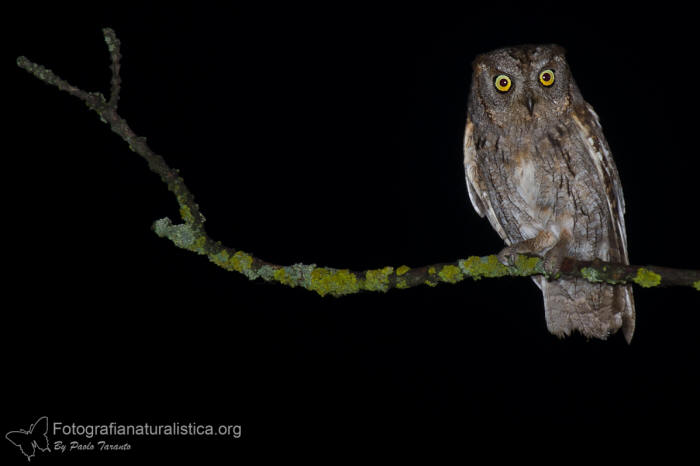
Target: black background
[328,135]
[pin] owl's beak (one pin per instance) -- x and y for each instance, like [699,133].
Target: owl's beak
[530,103]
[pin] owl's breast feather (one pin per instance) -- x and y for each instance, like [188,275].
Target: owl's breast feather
[540,197]
[524,179]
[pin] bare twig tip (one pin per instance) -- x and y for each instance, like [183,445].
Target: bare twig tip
[113,45]
[109,34]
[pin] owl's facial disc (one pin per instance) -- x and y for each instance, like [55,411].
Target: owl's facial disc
[522,84]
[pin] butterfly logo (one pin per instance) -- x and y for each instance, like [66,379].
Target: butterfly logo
[28,441]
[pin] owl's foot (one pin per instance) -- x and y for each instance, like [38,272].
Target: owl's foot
[554,258]
[536,245]
[557,249]
[508,255]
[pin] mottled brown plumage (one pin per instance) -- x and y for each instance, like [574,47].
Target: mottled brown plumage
[539,168]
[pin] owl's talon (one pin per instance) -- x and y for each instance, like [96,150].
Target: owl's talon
[507,256]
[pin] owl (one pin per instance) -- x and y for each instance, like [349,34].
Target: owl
[540,170]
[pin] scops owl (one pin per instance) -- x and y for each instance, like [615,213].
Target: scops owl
[539,168]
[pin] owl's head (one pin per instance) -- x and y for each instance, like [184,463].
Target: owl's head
[526,83]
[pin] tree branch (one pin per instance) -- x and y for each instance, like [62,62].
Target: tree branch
[192,236]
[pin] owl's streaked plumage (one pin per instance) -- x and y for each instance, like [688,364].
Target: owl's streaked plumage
[539,168]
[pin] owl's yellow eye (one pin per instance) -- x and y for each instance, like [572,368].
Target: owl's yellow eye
[502,83]
[547,78]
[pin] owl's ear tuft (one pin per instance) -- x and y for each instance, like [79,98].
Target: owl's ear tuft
[558,49]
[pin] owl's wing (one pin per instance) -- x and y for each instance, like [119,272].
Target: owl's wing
[470,169]
[591,133]
[475,186]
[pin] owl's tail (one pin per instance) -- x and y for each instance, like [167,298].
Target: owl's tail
[595,310]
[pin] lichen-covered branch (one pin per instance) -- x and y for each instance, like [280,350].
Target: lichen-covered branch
[191,235]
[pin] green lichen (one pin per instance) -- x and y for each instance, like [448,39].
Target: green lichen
[283,277]
[267,272]
[402,270]
[431,271]
[378,279]
[430,283]
[199,243]
[478,267]
[526,266]
[646,278]
[336,282]
[186,213]
[242,262]
[401,284]
[451,274]
[293,275]
[696,285]
[300,274]
[220,258]
[591,274]
[181,234]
